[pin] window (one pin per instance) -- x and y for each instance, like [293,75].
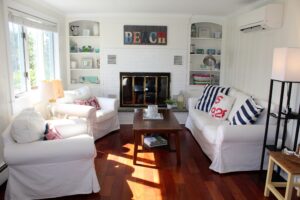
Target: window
[32,53]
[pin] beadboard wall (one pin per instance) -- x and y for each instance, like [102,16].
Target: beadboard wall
[248,56]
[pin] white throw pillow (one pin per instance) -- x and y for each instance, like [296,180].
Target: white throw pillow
[28,126]
[222,106]
[70,96]
[83,93]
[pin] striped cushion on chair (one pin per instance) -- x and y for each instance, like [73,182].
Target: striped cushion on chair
[247,114]
[208,97]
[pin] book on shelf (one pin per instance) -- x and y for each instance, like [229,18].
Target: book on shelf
[155,141]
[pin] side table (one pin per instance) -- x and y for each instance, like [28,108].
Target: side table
[291,166]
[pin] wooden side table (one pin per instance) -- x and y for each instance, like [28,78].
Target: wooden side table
[291,167]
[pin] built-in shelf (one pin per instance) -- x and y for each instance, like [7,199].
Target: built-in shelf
[85,69]
[83,35]
[83,84]
[80,36]
[206,70]
[206,37]
[85,53]
[203,38]
[198,54]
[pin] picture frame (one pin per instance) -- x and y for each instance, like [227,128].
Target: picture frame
[87,63]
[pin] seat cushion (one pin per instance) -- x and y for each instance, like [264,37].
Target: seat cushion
[102,115]
[206,124]
[202,119]
[69,127]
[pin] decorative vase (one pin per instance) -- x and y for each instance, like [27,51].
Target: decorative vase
[169,106]
[180,101]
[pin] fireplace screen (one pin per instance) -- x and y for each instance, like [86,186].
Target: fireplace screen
[141,89]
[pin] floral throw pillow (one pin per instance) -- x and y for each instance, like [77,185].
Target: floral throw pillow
[89,102]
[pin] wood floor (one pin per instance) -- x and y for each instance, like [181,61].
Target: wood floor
[158,177]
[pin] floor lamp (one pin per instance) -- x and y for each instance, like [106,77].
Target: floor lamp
[285,70]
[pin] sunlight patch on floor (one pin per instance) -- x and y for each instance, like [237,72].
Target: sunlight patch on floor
[142,191]
[140,172]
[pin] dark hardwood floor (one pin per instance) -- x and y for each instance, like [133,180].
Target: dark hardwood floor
[158,177]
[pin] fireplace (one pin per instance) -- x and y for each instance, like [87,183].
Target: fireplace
[141,89]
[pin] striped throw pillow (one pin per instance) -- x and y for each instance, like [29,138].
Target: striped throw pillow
[208,97]
[247,114]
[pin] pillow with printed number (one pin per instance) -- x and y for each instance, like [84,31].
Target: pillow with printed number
[222,106]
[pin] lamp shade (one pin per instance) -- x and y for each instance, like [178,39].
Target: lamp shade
[51,90]
[286,64]
[58,89]
[47,91]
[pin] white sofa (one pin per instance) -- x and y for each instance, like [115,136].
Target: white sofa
[230,148]
[47,169]
[101,122]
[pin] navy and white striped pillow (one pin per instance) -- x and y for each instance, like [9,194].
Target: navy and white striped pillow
[247,114]
[208,97]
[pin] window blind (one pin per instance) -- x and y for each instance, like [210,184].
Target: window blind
[20,17]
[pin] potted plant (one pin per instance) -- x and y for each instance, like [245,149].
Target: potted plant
[170,103]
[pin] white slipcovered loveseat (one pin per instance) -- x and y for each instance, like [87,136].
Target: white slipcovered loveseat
[230,148]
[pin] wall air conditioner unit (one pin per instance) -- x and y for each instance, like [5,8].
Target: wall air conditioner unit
[264,18]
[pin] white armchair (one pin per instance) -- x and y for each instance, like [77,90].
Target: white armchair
[48,169]
[101,122]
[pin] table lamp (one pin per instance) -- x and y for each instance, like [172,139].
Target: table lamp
[286,64]
[58,89]
[50,90]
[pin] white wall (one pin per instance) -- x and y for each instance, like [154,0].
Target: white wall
[7,102]
[4,82]
[248,57]
[142,58]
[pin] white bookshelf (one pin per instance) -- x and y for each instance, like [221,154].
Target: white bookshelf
[83,51]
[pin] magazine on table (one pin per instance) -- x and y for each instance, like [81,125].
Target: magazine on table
[155,141]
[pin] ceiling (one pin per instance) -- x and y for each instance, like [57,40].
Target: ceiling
[200,7]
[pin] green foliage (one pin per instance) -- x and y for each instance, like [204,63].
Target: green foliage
[170,101]
[32,63]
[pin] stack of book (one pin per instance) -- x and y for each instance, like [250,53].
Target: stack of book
[155,141]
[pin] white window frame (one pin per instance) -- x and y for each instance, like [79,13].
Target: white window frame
[52,26]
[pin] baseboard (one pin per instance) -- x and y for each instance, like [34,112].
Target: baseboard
[3,173]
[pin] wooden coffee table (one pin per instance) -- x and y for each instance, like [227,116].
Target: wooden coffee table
[169,125]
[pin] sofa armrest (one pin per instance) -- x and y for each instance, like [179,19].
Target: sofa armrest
[244,133]
[192,102]
[108,103]
[51,151]
[73,110]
